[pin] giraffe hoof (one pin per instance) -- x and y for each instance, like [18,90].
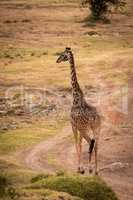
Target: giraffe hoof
[81,170]
[90,171]
[96,173]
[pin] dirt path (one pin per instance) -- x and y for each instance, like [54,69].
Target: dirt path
[32,157]
[115,152]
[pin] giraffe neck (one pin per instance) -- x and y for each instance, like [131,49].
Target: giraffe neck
[76,90]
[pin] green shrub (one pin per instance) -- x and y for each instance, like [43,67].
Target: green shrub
[99,8]
[88,188]
[6,188]
[3,185]
[39,177]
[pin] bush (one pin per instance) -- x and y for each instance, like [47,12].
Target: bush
[99,8]
[39,177]
[88,188]
[3,185]
[60,173]
[6,189]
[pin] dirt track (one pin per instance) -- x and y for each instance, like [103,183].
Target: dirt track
[115,156]
[115,162]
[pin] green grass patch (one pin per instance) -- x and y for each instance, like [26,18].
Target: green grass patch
[14,140]
[88,188]
[10,191]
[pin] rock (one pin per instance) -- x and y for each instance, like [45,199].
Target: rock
[4,128]
[10,112]
[3,112]
[26,20]
[107,138]
[92,33]
[19,112]
[61,197]
[115,166]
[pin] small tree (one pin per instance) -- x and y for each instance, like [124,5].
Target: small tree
[99,8]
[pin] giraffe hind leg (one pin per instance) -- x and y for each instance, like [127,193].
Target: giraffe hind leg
[96,134]
[91,147]
[80,168]
[96,170]
[91,143]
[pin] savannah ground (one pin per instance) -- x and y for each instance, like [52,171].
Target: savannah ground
[35,92]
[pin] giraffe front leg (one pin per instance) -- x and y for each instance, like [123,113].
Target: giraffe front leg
[75,132]
[80,169]
[78,145]
[96,133]
[85,135]
[90,167]
[91,147]
[96,161]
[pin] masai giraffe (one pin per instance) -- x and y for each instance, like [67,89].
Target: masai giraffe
[85,119]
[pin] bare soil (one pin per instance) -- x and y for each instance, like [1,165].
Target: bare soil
[115,155]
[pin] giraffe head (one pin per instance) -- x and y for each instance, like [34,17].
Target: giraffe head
[65,56]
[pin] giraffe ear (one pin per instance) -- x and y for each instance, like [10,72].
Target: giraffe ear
[68,49]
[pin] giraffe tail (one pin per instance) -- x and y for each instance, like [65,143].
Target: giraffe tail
[91,147]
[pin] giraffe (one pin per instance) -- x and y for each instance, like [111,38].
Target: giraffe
[85,119]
